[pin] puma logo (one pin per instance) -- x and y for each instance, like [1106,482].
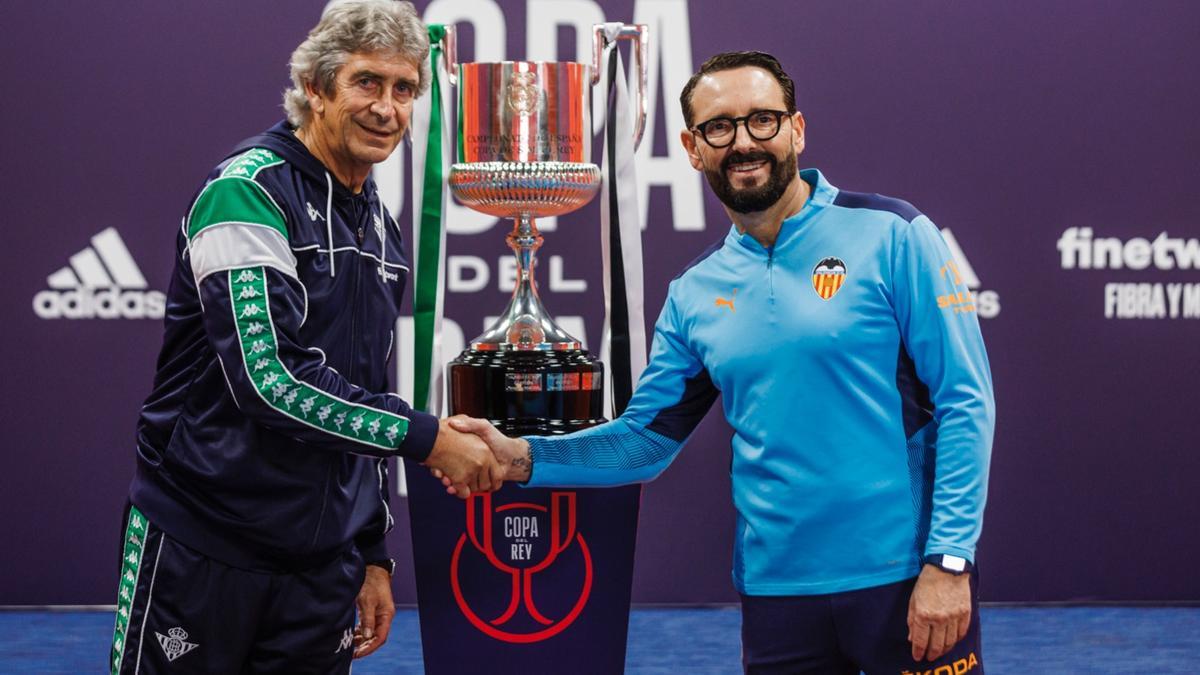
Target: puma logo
[722,302]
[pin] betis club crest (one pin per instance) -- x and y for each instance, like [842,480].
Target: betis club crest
[828,276]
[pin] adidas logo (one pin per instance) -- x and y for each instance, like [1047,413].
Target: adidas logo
[987,302]
[101,282]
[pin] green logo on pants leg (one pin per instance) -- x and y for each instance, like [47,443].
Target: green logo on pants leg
[131,566]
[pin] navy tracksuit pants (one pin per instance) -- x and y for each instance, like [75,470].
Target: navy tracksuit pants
[844,633]
[181,612]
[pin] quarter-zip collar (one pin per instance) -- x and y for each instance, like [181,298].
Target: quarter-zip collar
[821,195]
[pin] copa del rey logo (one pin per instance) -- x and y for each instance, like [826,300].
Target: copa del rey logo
[100,282]
[505,547]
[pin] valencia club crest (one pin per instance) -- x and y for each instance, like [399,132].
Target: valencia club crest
[828,276]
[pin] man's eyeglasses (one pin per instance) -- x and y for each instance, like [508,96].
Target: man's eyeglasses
[762,125]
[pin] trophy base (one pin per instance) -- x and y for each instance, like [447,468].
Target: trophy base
[529,393]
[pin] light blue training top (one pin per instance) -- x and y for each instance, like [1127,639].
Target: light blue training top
[855,378]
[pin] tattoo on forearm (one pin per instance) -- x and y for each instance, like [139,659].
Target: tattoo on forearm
[524,462]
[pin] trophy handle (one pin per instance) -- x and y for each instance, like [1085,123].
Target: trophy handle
[640,34]
[450,53]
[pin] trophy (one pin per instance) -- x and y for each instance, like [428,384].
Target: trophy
[524,152]
[524,577]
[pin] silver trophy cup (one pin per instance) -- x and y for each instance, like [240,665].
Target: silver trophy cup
[524,152]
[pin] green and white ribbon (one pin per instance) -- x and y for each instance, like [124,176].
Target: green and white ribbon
[429,233]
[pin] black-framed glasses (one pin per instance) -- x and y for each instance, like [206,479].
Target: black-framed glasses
[762,125]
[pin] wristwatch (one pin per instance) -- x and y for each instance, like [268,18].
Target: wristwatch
[956,565]
[387,564]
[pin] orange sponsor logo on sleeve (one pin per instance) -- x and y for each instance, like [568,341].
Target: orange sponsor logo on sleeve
[958,300]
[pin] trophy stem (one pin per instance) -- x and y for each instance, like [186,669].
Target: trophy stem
[525,240]
[525,324]
[525,374]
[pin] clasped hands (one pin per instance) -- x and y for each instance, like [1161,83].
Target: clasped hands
[471,456]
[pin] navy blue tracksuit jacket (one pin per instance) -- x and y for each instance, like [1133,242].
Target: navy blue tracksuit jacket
[263,442]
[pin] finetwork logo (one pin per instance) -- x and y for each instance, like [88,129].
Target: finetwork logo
[1159,258]
[987,303]
[101,282]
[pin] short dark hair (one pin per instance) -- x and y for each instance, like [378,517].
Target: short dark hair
[731,60]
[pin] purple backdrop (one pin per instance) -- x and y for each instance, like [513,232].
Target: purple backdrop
[1036,132]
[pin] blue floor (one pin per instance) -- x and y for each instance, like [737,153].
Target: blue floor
[1043,640]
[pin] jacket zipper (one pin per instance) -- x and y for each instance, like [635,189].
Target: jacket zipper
[771,275]
[354,295]
[329,471]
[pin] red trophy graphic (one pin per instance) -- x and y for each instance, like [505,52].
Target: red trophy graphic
[518,531]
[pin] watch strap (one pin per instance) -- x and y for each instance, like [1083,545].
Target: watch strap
[953,564]
[387,564]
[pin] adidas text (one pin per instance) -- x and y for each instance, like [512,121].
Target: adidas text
[100,303]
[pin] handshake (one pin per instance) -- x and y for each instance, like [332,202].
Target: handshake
[470,455]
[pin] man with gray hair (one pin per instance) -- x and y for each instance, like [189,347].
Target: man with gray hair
[257,515]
